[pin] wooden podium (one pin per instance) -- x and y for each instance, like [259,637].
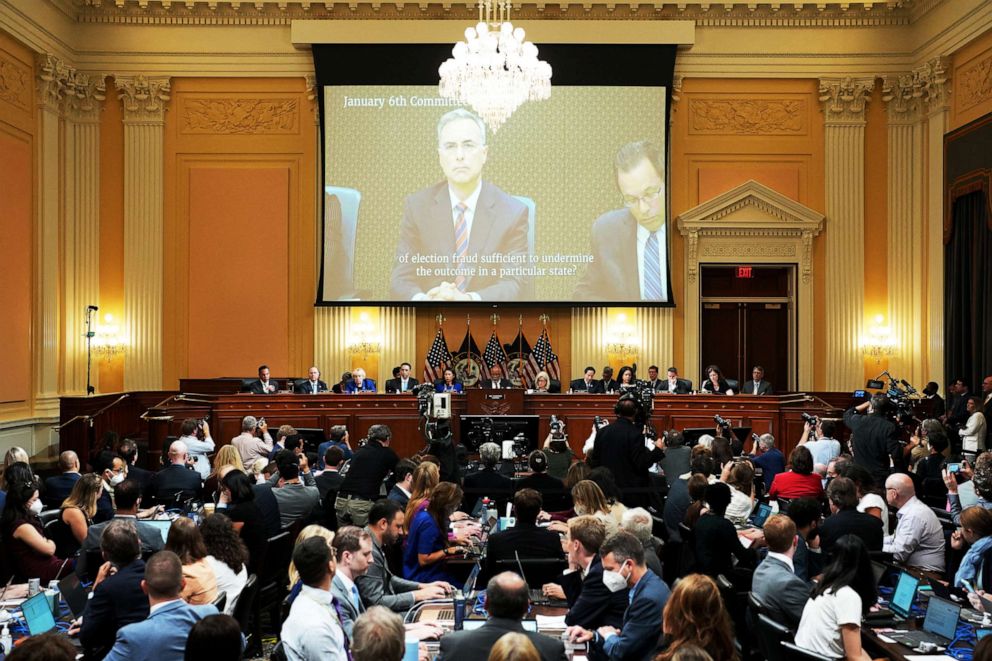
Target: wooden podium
[494,401]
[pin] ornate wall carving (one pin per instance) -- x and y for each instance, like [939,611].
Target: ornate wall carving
[844,99]
[747,116]
[910,95]
[240,116]
[144,98]
[719,249]
[975,83]
[15,82]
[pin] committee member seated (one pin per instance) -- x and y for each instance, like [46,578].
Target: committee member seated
[918,540]
[525,540]
[757,385]
[403,381]
[630,245]
[714,383]
[378,586]
[177,482]
[496,379]
[340,386]
[623,570]
[117,598]
[673,384]
[507,602]
[448,382]
[607,384]
[313,630]
[313,385]
[263,385]
[163,634]
[359,383]
[775,582]
[59,487]
[446,227]
[587,383]
[590,603]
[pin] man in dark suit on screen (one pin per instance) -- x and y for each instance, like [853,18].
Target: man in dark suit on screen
[630,245]
[448,227]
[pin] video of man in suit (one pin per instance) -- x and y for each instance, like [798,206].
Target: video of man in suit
[566,202]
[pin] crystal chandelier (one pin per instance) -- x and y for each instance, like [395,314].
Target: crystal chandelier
[494,70]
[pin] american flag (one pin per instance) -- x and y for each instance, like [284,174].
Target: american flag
[542,358]
[437,359]
[518,352]
[493,355]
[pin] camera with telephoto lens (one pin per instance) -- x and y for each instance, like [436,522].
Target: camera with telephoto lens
[424,393]
[811,419]
[719,420]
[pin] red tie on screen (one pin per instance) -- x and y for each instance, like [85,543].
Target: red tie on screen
[461,243]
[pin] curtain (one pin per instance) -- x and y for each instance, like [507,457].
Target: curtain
[968,291]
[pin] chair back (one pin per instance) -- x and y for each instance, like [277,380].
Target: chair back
[795,653]
[220,601]
[687,558]
[734,384]
[243,607]
[771,635]
[48,516]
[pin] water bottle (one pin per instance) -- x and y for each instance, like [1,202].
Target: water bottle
[459,611]
[54,597]
[412,648]
[6,642]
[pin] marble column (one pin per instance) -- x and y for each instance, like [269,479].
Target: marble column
[844,102]
[53,75]
[81,238]
[144,100]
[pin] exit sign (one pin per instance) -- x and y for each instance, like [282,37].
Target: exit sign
[745,272]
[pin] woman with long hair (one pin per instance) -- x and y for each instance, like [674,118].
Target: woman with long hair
[426,477]
[871,499]
[831,621]
[739,476]
[76,515]
[186,541]
[695,615]
[588,498]
[514,647]
[715,384]
[29,553]
[975,533]
[626,378]
[227,555]
[313,530]
[227,457]
[427,546]
[237,502]
[448,382]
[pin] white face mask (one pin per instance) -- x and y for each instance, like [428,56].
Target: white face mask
[116,479]
[36,507]
[614,581]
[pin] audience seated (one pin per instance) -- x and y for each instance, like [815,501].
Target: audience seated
[128,451]
[368,468]
[678,500]
[403,481]
[352,548]
[624,569]
[539,480]
[871,500]
[716,540]
[426,476]
[313,632]
[162,636]
[801,481]
[638,522]
[296,500]
[769,459]
[237,502]
[378,636]
[268,507]
[846,519]
[45,647]
[338,437]
[590,603]
[525,539]
[177,482]
[29,553]
[227,555]
[696,615]
[215,638]
[488,480]
[58,487]
[127,495]
[918,540]
[314,530]
[739,476]
[587,498]
[976,534]
[117,599]
[199,579]
[697,495]
[831,620]
[677,456]
[427,546]
[507,601]
[378,586]
[807,560]
[775,582]
[514,647]
[69,530]
[227,459]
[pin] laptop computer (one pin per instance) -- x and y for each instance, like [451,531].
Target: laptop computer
[901,604]
[939,626]
[37,612]
[74,594]
[443,614]
[162,525]
[761,515]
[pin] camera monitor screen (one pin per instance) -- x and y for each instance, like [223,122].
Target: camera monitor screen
[478,429]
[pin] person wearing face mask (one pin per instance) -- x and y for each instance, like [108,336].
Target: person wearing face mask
[30,554]
[624,569]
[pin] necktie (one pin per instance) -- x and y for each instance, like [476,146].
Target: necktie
[461,243]
[355,599]
[756,387]
[315,387]
[652,270]
[340,616]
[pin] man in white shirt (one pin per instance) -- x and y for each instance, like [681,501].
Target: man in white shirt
[196,446]
[352,548]
[250,446]
[313,630]
[974,430]
[918,540]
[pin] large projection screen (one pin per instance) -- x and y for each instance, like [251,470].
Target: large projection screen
[547,218]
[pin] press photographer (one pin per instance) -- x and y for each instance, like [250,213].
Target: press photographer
[621,447]
[875,436]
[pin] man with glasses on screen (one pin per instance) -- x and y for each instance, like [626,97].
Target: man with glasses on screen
[448,228]
[630,245]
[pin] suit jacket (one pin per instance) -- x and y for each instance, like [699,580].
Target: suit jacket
[58,488]
[860,524]
[472,645]
[367,385]
[529,541]
[398,495]
[579,385]
[160,637]
[764,388]
[116,602]
[393,385]
[614,274]
[151,541]
[551,488]
[306,388]
[590,604]
[256,387]
[784,593]
[379,587]
[296,501]
[348,609]
[603,386]
[500,225]
[174,480]
[620,447]
[328,484]
[682,387]
[488,482]
[492,383]
[267,504]
[639,631]
[142,475]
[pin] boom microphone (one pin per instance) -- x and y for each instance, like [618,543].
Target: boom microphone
[92,308]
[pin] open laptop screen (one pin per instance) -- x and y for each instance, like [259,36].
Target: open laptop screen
[942,618]
[902,598]
[38,614]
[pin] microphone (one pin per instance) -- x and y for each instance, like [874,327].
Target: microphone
[910,389]
[92,308]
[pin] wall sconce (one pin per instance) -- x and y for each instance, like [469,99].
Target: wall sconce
[108,343]
[622,339]
[364,338]
[878,342]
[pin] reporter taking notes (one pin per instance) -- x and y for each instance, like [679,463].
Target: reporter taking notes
[458,236]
